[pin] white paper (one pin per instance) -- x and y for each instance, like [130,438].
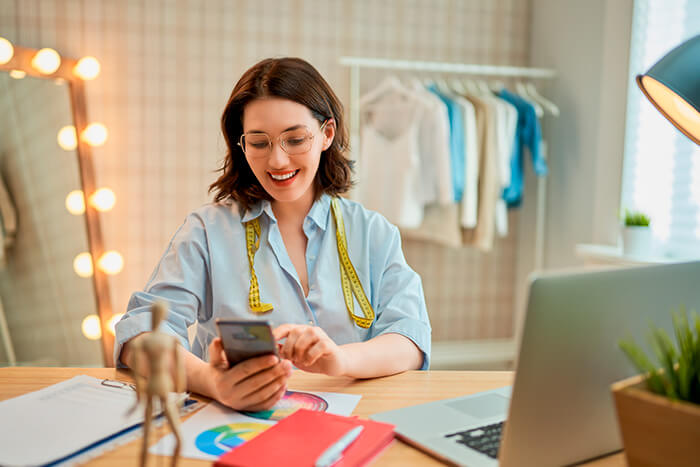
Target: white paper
[56,421]
[216,429]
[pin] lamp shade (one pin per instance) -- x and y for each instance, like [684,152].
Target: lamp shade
[673,86]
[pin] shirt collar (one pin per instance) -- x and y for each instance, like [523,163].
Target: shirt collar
[318,213]
[257,209]
[320,210]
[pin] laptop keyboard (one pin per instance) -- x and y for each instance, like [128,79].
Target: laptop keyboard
[484,439]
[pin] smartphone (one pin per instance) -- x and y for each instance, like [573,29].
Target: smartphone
[245,339]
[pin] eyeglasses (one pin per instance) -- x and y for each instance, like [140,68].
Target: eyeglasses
[293,142]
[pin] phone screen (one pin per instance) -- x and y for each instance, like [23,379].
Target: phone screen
[246,339]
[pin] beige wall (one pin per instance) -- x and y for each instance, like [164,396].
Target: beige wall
[169,65]
[586,143]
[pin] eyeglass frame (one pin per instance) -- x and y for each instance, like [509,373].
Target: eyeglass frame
[279,141]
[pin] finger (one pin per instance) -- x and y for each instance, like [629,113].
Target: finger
[252,384]
[249,367]
[318,350]
[281,331]
[217,356]
[287,350]
[263,393]
[302,345]
[270,401]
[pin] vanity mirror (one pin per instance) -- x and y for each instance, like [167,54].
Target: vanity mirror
[49,235]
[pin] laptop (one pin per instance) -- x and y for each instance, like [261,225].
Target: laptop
[560,408]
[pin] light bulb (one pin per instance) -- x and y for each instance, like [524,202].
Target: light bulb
[6,51]
[46,61]
[111,323]
[75,203]
[91,327]
[111,262]
[87,68]
[67,138]
[82,265]
[17,74]
[95,134]
[103,199]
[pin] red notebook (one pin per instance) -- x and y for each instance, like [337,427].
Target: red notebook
[300,438]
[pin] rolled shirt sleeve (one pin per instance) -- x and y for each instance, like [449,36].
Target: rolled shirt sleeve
[400,303]
[180,279]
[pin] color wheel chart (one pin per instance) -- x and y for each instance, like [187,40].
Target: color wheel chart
[221,439]
[290,403]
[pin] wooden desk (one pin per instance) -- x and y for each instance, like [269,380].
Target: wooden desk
[378,395]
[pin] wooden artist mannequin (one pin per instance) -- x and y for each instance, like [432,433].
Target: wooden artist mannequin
[165,369]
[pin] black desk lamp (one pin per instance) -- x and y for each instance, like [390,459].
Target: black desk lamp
[673,86]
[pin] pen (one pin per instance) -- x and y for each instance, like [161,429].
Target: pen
[331,455]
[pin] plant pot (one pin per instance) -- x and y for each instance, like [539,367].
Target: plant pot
[655,430]
[636,241]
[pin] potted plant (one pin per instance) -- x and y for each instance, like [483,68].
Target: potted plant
[636,235]
[659,411]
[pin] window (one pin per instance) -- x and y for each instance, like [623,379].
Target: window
[661,172]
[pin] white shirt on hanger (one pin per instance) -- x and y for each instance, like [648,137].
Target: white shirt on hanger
[434,147]
[390,166]
[504,120]
[470,199]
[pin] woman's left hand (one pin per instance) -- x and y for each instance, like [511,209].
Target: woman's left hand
[310,349]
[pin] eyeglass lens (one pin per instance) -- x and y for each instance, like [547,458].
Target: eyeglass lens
[292,142]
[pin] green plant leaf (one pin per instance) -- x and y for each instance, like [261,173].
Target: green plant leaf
[679,374]
[666,354]
[634,218]
[684,337]
[639,359]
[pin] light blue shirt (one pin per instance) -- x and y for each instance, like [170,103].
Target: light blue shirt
[204,275]
[457,142]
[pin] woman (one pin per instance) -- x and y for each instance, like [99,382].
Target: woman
[268,248]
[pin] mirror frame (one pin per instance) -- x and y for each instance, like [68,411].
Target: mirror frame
[21,60]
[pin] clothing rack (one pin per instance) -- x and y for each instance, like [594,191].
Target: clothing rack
[356,64]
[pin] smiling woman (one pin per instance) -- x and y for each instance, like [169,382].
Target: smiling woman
[278,244]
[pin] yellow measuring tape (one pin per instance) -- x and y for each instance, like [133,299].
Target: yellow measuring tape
[348,276]
[252,243]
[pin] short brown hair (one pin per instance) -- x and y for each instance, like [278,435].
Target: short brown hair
[298,81]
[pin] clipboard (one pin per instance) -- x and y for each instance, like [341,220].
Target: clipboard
[71,422]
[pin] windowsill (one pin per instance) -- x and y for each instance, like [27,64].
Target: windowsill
[613,255]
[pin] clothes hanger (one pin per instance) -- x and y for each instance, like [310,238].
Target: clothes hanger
[483,87]
[544,102]
[470,87]
[496,86]
[442,85]
[388,85]
[522,92]
[457,86]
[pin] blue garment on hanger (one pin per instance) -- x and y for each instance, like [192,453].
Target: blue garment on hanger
[527,133]
[457,146]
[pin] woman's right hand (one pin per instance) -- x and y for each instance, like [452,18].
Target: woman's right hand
[253,385]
